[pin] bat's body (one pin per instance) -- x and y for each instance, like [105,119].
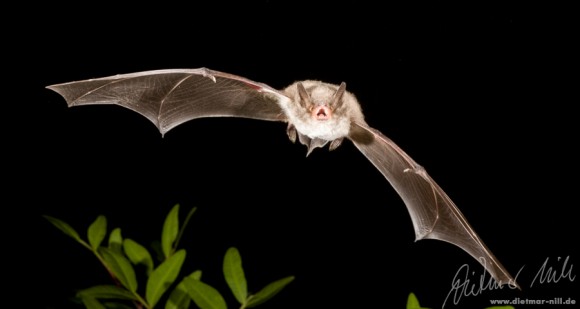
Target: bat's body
[317,113]
[322,113]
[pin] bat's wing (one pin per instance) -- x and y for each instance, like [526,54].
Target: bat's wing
[433,213]
[171,97]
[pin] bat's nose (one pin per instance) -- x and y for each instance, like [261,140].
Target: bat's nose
[321,113]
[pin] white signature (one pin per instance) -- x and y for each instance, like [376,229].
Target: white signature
[466,283]
[463,286]
[547,274]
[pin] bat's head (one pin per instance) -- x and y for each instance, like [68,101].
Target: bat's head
[323,112]
[321,101]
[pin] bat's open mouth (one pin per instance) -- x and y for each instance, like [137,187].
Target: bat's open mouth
[321,113]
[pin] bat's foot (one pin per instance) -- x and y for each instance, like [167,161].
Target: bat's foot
[291,132]
[335,143]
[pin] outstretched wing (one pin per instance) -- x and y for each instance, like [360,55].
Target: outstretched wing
[171,97]
[433,213]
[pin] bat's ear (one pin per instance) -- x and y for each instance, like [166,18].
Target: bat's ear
[337,99]
[304,97]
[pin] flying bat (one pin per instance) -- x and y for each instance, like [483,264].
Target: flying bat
[316,114]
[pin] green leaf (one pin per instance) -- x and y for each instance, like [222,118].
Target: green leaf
[97,232]
[268,292]
[116,241]
[196,275]
[91,303]
[413,302]
[204,296]
[137,254]
[121,268]
[65,228]
[163,276]
[106,291]
[170,230]
[179,298]
[185,223]
[234,274]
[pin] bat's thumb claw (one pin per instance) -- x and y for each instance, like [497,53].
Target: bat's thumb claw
[205,72]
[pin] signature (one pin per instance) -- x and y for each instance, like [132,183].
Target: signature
[549,274]
[465,282]
[463,286]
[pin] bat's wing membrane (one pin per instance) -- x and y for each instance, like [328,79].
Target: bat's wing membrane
[433,213]
[171,97]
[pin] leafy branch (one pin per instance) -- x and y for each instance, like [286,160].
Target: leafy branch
[119,256]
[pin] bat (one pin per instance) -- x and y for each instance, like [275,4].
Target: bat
[316,114]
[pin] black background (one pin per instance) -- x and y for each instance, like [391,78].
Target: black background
[477,95]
